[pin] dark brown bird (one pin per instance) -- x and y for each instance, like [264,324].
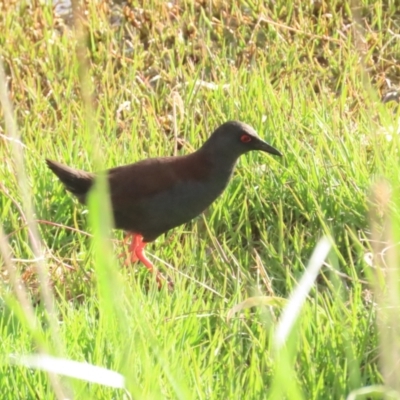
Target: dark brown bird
[152,196]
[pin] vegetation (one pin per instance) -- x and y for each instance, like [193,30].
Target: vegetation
[116,83]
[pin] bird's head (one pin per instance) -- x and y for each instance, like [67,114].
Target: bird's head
[234,138]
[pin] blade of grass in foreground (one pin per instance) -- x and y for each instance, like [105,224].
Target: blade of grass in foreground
[298,297]
[385,223]
[285,384]
[28,319]
[84,371]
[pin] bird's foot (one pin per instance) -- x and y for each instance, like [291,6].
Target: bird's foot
[136,249]
[161,279]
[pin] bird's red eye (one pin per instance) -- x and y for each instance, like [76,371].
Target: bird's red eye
[245,138]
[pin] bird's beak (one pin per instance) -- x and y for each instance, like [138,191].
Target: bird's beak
[267,148]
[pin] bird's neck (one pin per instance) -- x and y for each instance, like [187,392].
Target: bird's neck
[222,161]
[221,164]
[224,167]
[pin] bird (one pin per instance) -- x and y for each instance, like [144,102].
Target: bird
[154,195]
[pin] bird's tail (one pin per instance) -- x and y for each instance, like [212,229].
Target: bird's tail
[76,181]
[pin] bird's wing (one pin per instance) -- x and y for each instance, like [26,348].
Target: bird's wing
[131,184]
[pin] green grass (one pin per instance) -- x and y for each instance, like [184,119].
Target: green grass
[309,80]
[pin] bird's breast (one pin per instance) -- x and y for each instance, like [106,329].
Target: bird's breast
[188,199]
[181,203]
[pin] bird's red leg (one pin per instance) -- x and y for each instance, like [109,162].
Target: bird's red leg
[140,255]
[139,251]
[136,240]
